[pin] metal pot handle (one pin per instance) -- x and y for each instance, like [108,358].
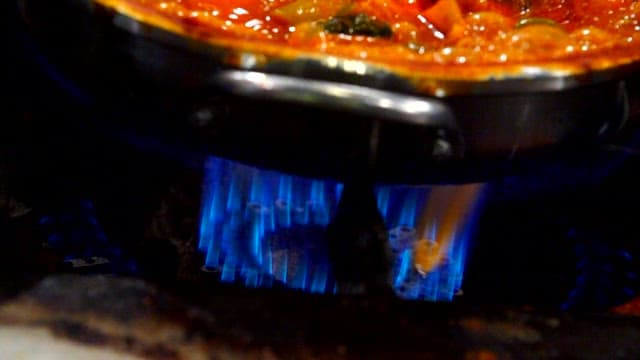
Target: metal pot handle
[379,104]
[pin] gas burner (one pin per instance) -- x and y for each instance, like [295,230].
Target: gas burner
[268,226]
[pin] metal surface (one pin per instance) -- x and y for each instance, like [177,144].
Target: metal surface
[406,109]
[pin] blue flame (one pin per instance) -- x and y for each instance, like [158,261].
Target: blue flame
[408,213]
[402,206]
[383,201]
[403,270]
[260,227]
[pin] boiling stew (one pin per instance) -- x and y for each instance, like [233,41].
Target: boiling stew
[450,38]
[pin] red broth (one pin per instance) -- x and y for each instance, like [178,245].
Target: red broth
[461,39]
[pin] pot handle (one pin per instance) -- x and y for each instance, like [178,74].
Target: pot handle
[362,100]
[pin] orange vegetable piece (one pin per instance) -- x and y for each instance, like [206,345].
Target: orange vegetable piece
[447,17]
[503,7]
[389,10]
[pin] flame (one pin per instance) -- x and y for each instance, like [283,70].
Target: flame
[261,227]
[447,210]
[258,226]
[430,230]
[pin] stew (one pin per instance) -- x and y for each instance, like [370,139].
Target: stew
[451,38]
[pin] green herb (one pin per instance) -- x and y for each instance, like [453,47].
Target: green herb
[357,24]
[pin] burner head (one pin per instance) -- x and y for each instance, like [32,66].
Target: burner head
[264,228]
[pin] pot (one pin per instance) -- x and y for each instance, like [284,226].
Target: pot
[324,116]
